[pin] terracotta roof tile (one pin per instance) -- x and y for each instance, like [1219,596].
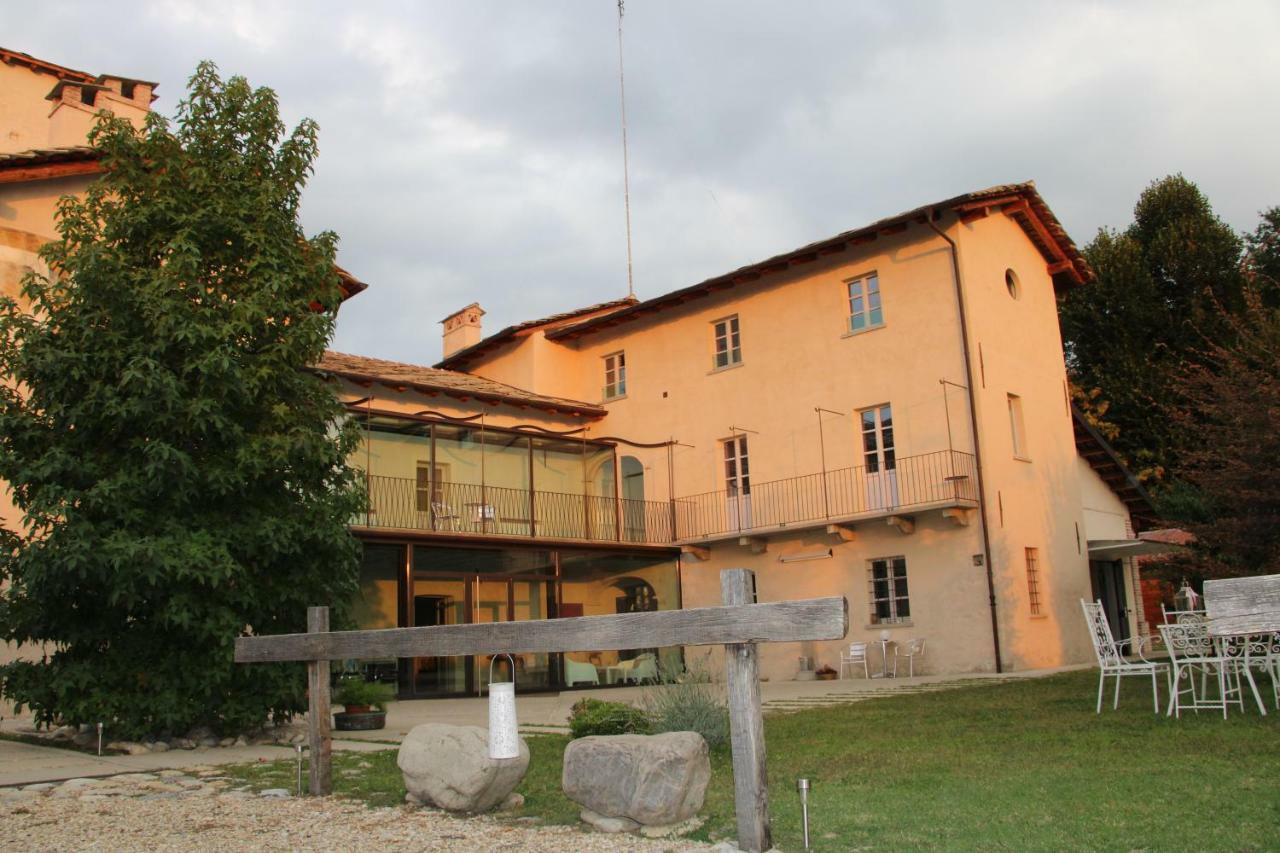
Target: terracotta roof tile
[450,382]
[460,358]
[1027,208]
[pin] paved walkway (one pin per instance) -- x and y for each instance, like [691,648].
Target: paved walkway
[22,763]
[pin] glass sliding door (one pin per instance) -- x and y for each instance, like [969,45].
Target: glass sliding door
[439,600]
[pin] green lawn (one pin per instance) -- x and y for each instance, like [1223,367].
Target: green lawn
[1017,765]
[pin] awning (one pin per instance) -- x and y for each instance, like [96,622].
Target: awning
[1119,549]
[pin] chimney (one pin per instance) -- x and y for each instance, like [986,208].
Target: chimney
[462,328]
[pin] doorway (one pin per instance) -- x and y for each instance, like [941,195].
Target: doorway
[1108,587]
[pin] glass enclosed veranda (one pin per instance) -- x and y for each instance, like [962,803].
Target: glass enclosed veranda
[464,478]
[405,584]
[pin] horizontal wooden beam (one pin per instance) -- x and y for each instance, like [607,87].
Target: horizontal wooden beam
[776,622]
[49,171]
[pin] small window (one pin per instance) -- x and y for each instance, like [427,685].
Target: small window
[1033,580]
[615,375]
[127,89]
[1017,427]
[728,343]
[1012,284]
[865,310]
[888,580]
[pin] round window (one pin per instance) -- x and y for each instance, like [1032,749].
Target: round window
[1011,282]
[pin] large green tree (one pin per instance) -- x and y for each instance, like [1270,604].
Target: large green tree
[1167,288]
[182,477]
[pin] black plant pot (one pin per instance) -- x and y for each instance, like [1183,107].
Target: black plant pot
[368,721]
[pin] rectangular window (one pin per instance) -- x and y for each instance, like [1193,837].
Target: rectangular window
[728,343]
[615,375]
[1033,580]
[429,486]
[888,581]
[865,310]
[737,471]
[1017,427]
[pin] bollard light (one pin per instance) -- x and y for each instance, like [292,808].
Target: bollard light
[99,738]
[504,740]
[802,785]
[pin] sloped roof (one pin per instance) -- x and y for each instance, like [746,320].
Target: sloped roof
[1021,202]
[1102,458]
[62,72]
[433,380]
[44,156]
[462,357]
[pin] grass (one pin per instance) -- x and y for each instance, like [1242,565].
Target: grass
[1017,765]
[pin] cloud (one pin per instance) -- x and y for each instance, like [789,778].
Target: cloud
[472,151]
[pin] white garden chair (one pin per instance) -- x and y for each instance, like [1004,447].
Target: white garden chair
[914,649]
[1112,662]
[1193,652]
[856,655]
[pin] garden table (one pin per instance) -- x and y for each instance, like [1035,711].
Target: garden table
[1244,608]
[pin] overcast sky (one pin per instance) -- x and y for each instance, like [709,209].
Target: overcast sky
[471,151]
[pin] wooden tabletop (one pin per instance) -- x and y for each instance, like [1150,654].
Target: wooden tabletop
[1248,605]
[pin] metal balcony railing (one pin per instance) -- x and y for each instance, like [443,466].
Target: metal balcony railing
[471,508]
[942,478]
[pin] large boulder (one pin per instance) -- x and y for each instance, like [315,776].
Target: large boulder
[449,767]
[654,780]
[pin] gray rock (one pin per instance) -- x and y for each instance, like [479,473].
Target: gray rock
[227,741]
[131,747]
[159,746]
[449,767]
[65,732]
[241,741]
[655,780]
[208,742]
[86,739]
[182,743]
[673,829]
[275,792]
[39,787]
[603,823]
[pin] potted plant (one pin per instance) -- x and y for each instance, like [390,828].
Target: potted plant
[825,673]
[364,705]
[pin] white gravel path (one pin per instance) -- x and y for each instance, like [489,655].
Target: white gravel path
[180,813]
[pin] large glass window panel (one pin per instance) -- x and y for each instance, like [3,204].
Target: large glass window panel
[378,604]
[392,454]
[529,600]
[506,502]
[607,583]
[559,468]
[439,601]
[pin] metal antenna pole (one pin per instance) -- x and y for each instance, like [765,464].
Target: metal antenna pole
[626,176]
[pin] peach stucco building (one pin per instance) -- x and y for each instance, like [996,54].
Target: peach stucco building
[881,415]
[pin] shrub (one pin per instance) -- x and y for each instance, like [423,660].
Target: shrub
[686,700]
[596,717]
[357,691]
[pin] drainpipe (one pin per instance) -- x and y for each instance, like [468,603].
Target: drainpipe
[977,445]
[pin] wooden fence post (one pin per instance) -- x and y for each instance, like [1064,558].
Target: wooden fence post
[746,723]
[319,720]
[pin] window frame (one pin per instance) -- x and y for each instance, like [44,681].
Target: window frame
[1034,599]
[869,302]
[615,375]
[1017,427]
[731,338]
[895,571]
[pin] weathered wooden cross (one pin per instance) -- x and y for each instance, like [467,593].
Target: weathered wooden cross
[738,625]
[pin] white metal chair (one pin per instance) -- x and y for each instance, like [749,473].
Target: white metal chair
[443,516]
[1112,662]
[856,654]
[1193,652]
[914,649]
[578,672]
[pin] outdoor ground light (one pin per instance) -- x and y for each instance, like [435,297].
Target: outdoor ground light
[504,740]
[802,785]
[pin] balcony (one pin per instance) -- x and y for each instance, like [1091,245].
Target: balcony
[940,480]
[471,509]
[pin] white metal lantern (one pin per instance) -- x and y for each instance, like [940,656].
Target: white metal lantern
[504,740]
